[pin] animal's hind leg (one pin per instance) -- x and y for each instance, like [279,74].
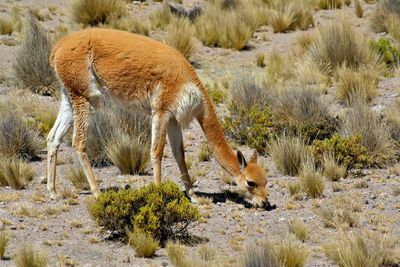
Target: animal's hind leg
[176,141]
[81,110]
[54,139]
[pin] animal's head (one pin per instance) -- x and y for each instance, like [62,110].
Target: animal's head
[252,181]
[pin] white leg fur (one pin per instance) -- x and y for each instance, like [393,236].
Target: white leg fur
[63,123]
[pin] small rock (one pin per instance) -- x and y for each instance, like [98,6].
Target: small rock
[281,219]
[373,196]
[164,263]
[43,179]
[13,227]
[366,202]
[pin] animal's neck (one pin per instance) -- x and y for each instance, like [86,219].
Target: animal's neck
[216,138]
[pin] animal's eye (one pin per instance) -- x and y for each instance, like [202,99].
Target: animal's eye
[251,184]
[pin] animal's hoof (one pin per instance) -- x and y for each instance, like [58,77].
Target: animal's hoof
[194,199]
[96,193]
[53,195]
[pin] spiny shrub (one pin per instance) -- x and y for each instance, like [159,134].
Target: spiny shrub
[131,156]
[161,211]
[180,36]
[3,243]
[288,154]
[348,151]
[14,172]
[361,249]
[250,120]
[31,65]
[390,54]
[362,83]
[339,43]
[374,134]
[143,244]
[290,15]
[17,139]
[301,112]
[95,12]
[30,256]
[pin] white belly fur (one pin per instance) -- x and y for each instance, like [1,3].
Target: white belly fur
[189,104]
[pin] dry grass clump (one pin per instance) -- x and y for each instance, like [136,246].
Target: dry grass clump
[299,229]
[358,9]
[6,25]
[143,244]
[259,255]
[309,72]
[311,180]
[178,255]
[338,217]
[3,243]
[301,112]
[161,17]
[205,153]
[384,11]
[130,24]
[289,153]
[77,176]
[15,172]
[275,71]
[362,82]
[294,188]
[329,4]
[290,15]
[393,122]
[17,139]
[111,123]
[180,36]
[95,12]
[27,255]
[361,249]
[131,156]
[290,253]
[333,171]
[31,65]
[337,44]
[229,28]
[360,119]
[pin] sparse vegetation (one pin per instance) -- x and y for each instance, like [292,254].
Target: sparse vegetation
[14,172]
[161,211]
[27,255]
[288,154]
[388,51]
[77,177]
[31,65]
[95,12]
[143,244]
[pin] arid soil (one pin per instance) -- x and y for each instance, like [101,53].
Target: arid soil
[64,229]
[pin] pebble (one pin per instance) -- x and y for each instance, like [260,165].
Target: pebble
[373,196]
[13,227]
[281,219]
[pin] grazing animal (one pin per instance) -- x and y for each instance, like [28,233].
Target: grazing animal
[144,75]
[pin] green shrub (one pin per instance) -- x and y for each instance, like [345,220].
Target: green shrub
[31,65]
[94,12]
[347,151]
[161,211]
[14,172]
[17,139]
[389,53]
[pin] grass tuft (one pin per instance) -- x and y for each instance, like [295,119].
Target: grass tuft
[299,229]
[15,172]
[3,243]
[28,256]
[259,255]
[290,253]
[77,176]
[311,180]
[143,244]
[95,12]
[180,36]
[333,171]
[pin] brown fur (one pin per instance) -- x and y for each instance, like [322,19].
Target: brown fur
[133,69]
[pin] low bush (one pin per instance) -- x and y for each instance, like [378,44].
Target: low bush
[95,12]
[390,54]
[15,172]
[31,66]
[30,256]
[180,34]
[289,154]
[144,245]
[17,139]
[348,151]
[161,211]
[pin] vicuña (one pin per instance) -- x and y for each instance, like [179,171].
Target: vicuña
[144,75]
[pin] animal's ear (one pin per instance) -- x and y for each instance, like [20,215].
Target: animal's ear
[253,158]
[241,160]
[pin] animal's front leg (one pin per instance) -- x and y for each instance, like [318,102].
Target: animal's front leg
[158,133]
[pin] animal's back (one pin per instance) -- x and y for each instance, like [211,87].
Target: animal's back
[130,66]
